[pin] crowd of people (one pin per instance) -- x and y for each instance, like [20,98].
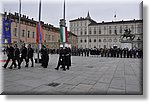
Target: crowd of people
[111,52]
[27,53]
[24,54]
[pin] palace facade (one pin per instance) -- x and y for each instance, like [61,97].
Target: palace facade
[91,34]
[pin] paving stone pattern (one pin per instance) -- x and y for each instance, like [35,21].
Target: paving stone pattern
[87,76]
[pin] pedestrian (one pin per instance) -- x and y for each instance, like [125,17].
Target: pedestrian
[23,54]
[10,55]
[44,56]
[30,53]
[16,57]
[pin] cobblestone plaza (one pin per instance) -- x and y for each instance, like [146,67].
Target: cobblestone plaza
[87,75]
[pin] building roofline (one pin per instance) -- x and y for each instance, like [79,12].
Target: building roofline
[116,22]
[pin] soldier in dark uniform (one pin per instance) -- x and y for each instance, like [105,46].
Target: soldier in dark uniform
[88,51]
[23,54]
[128,53]
[124,52]
[44,56]
[121,51]
[131,53]
[10,55]
[67,58]
[134,53]
[30,53]
[16,57]
[61,60]
[118,51]
[82,51]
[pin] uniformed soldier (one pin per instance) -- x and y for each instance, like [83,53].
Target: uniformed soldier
[61,60]
[30,53]
[23,51]
[9,51]
[16,57]
[67,58]
[121,51]
[44,56]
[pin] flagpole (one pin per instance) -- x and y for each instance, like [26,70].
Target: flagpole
[19,27]
[39,43]
[64,22]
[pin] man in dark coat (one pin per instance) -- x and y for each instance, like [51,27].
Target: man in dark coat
[44,56]
[16,57]
[23,54]
[10,55]
[61,60]
[30,53]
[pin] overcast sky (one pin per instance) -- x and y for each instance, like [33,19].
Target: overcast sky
[100,10]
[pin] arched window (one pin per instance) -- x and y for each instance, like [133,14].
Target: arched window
[94,40]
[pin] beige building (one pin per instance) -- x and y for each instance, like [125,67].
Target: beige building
[28,32]
[91,34]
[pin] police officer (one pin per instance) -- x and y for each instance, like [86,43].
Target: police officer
[16,57]
[44,56]
[30,53]
[9,51]
[23,54]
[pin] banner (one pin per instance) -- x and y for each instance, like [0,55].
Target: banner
[6,30]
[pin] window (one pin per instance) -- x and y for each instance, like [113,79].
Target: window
[115,31]
[99,30]
[99,40]
[15,31]
[23,33]
[109,31]
[28,34]
[89,30]
[94,40]
[81,40]
[89,40]
[104,28]
[33,34]
[85,40]
[85,31]
[94,30]
[81,32]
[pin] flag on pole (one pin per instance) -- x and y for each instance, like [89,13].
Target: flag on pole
[63,34]
[39,34]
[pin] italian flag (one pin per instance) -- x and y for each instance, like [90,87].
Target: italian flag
[63,34]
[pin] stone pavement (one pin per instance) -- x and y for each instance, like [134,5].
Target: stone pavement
[87,75]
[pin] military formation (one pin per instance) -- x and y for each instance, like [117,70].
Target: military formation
[25,54]
[111,52]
